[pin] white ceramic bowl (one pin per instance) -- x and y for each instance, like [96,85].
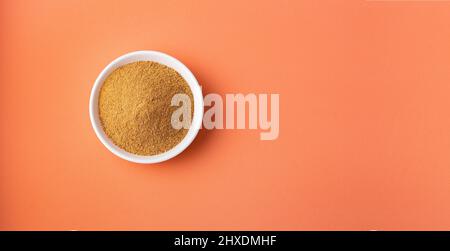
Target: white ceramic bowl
[164,59]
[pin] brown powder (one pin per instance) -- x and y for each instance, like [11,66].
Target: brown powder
[135,107]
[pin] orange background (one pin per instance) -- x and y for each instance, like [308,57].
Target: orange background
[364,116]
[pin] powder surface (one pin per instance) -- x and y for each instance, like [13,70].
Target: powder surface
[135,107]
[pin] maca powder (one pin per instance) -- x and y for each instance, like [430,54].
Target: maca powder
[135,107]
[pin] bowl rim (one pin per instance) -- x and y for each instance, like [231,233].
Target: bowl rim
[159,57]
